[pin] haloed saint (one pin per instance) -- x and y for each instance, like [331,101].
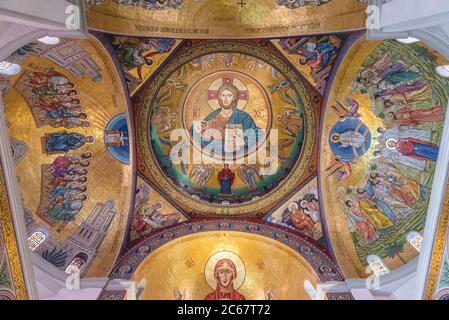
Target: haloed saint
[225,274]
[227,130]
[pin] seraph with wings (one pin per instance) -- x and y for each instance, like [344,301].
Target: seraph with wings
[343,170]
[350,111]
[249,174]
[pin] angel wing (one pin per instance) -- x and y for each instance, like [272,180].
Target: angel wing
[282,87]
[290,112]
[241,174]
[194,171]
[287,98]
[340,110]
[285,143]
[210,173]
[354,106]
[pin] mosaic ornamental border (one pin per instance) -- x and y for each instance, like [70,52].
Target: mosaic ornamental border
[314,255]
[12,251]
[439,245]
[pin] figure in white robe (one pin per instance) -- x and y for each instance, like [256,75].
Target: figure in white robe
[397,134]
[352,139]
[383,192]
[392,156]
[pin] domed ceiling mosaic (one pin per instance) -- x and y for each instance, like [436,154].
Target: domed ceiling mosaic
[209,121]
[274,155]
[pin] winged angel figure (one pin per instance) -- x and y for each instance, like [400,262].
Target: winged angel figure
[202,174]
[249,174]
[350,111]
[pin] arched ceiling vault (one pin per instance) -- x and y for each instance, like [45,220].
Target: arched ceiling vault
[218,19]
[68,120]
[376,195]
[179,262]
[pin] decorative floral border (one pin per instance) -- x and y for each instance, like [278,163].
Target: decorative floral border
[441,238]
[12,252]
[314,255]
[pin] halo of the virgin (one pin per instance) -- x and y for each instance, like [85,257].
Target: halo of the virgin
[212,261]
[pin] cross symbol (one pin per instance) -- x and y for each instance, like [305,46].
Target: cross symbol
[242,4]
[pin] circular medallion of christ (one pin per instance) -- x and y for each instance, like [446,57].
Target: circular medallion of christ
[227,115]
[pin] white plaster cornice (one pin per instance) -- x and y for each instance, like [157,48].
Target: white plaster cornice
[386,285]
[388,282]
[43,14]
[51,271]
[26,36]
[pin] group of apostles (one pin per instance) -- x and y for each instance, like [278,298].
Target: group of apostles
[53,99]
[67,186]
[405,152]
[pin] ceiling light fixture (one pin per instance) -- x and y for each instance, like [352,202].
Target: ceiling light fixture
[9,69]
[408,40]
[443,71]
